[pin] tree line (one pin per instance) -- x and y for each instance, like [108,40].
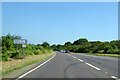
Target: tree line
[10,50]
[82,45]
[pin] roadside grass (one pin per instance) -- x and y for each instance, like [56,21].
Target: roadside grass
[15,64]
[101,54]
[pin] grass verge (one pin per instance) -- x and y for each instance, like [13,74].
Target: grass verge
[98,54]
[8,67]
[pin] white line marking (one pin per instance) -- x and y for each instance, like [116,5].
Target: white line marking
[114,77]
[80,60]
[35,68]
[93,66]
[74,57]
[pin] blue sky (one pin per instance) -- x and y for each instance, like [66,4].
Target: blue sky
[59,22]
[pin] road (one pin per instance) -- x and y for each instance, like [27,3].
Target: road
[64,65]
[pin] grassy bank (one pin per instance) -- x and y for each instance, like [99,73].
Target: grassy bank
[99,54]
[15,64]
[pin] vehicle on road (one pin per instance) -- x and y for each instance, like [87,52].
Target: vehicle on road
[59,50]
[67,51]
[64,51]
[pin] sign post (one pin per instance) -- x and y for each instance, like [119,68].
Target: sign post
[20,41]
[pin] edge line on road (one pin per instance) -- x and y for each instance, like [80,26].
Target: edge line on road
[35,68]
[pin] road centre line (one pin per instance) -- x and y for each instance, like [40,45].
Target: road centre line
[114,77]
[80,60]
[35,68]
[93,66]
[88,64]
[74,57]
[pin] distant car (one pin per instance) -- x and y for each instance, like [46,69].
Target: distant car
[59,50]
[67,51]
[62,51]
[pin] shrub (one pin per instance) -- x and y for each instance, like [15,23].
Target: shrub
[113,52]
[4,49]
[36,52]
[5,57]
[29,53]
[42,49]
[17,55]
[100,51]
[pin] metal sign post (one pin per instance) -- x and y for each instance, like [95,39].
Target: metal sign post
[20,41]
[23,52]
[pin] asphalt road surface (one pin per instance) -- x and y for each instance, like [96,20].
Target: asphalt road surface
[64,65]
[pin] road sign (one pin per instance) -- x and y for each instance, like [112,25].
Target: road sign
[23,45]
[19,41]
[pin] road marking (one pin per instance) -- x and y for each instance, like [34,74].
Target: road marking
[93,66]
[80,60]
[114,77]
[35,68]
[75,57]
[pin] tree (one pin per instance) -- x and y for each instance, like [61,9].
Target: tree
[46,45]
[68,43]
[107,47]
[0,42]
[54,47]
[81,41]
[7,41]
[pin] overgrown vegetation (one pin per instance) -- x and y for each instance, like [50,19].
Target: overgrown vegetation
[82,45]
[10,50]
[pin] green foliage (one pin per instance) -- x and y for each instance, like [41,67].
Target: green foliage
[107,48]
[68,43]
[17,55]
[81,41]
[28,52]
[54,47]
[42,49]
[83,46]
[0,41]
[10,50]
[4,49]
[36,52]
[4,57]
[46,45]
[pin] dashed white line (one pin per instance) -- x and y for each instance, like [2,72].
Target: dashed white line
[93,66]
[35,68]
[114,77]
[74,57]
[80,60]
[87,63]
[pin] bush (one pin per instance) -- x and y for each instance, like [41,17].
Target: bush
[17,55]
[42,49]
[113,52]
[29,53]
[36,52]
[100,51]
[5,57]
[4,49]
